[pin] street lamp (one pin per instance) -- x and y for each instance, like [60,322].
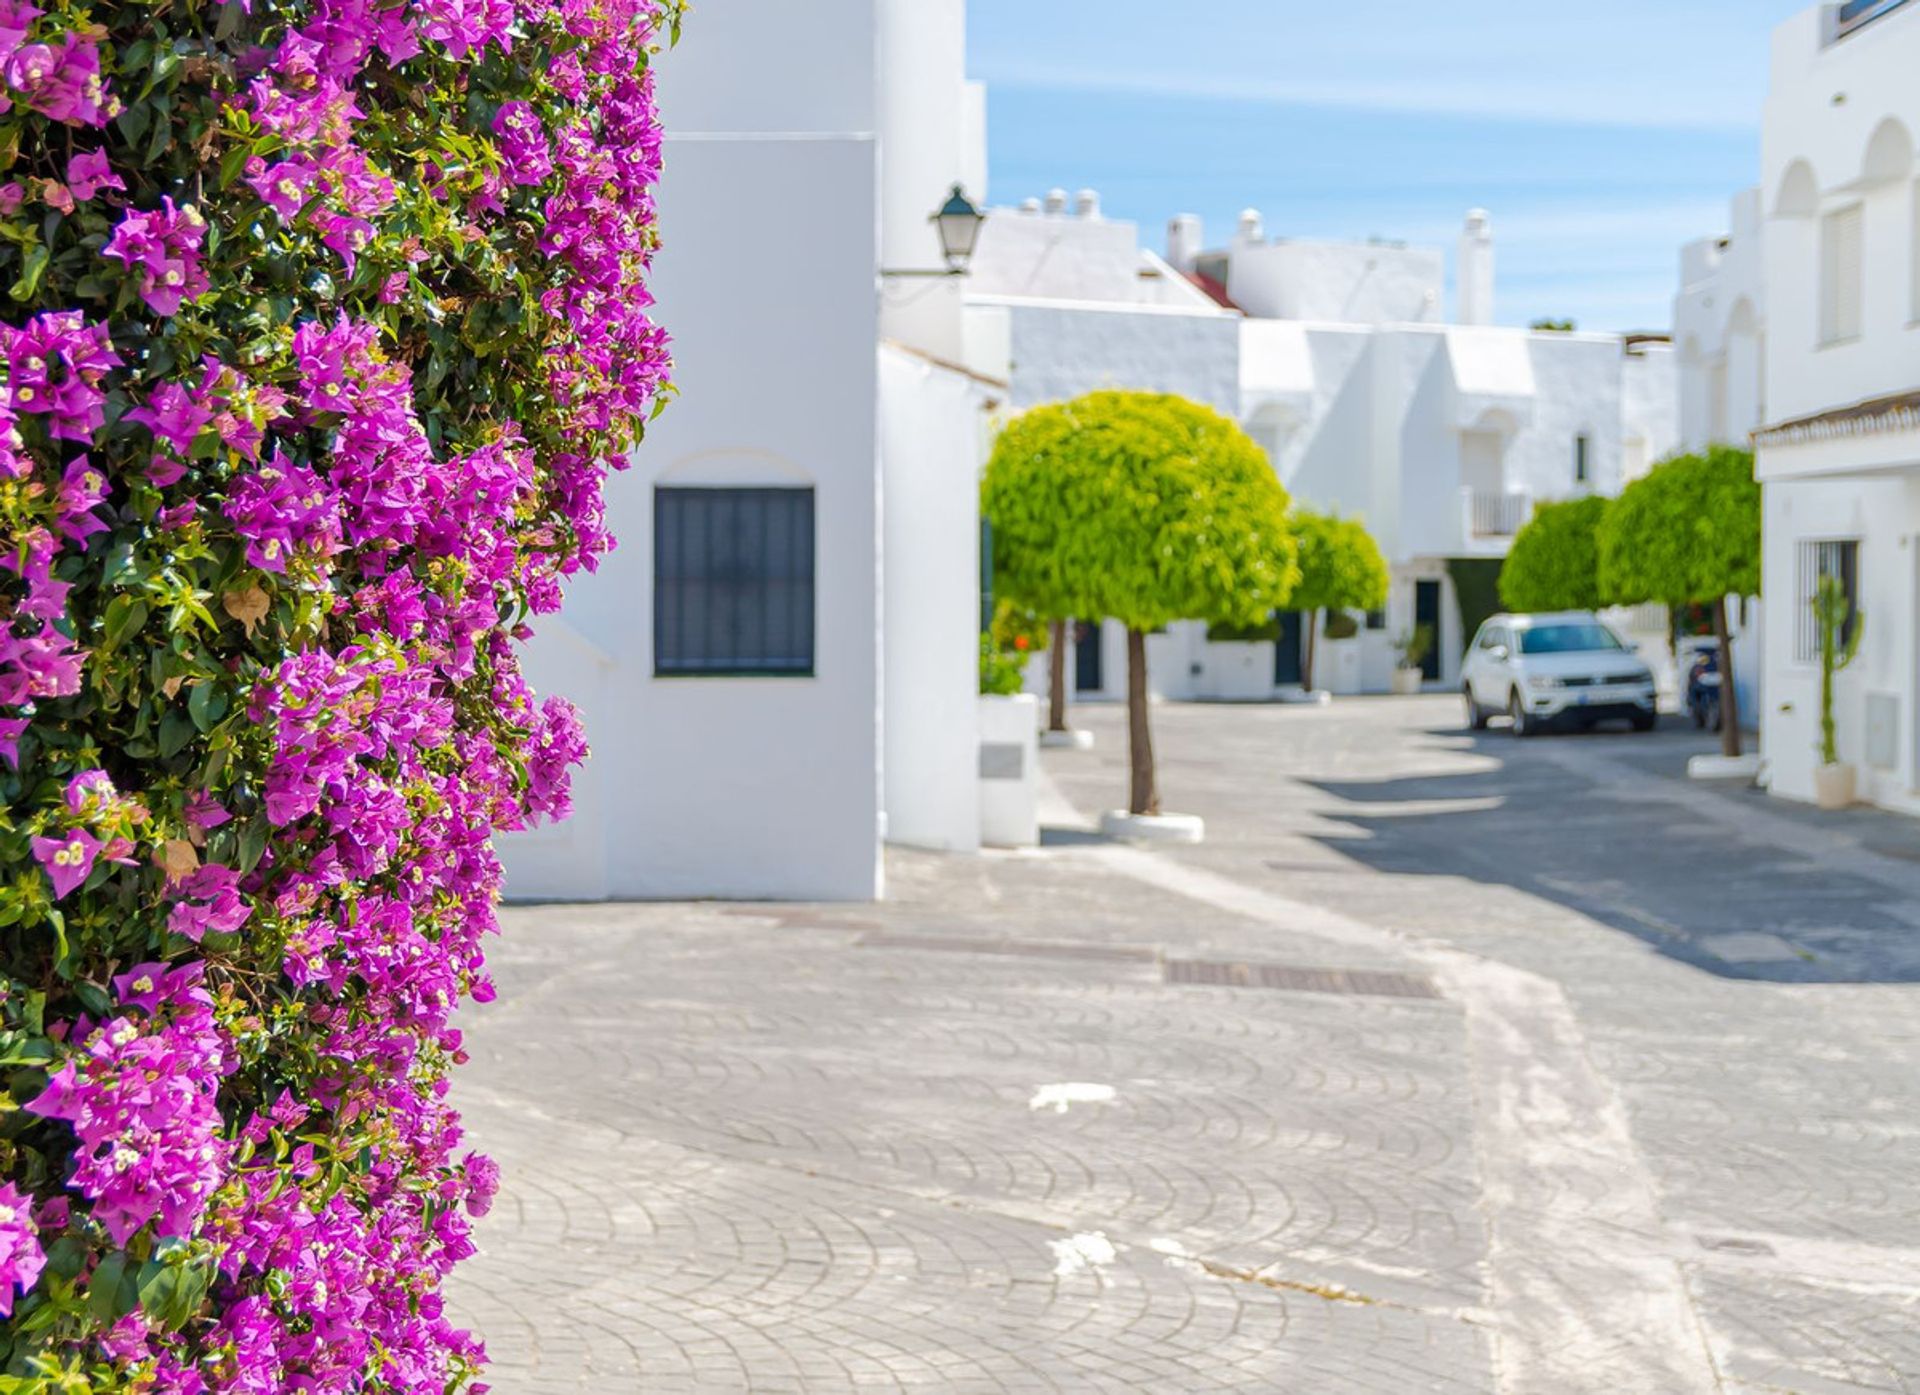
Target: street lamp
[958,223]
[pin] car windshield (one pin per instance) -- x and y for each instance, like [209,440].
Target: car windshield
[1577,638]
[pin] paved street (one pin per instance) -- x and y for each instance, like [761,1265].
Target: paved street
[1448,1063]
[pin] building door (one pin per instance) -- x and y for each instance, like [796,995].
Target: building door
[1089,673]
[1288,671]
[1426,611]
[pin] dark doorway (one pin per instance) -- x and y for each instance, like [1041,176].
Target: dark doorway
[1426,611]
[1288,671]
[1089,673]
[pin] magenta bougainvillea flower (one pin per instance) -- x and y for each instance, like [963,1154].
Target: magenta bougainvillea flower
[21,1258]
[68,858]
[327,325]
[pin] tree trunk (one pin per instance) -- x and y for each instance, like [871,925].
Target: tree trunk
[1146,790]
[1313,644]
[1057,677]
[1729,695]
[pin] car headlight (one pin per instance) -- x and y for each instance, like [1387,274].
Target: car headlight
[1644,678]
[1544,681]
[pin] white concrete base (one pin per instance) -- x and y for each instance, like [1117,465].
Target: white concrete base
[1153,828]
[1745,767]
[1299,697]
[1067,740]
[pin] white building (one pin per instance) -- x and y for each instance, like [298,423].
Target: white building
[779,665]
[1338,358]
[1839,459]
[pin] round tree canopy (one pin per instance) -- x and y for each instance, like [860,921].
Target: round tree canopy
[1139,506]
[1340,564]
[1555,561]
[1688,532]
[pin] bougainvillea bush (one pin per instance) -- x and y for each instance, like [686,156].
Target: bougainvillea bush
[324,321]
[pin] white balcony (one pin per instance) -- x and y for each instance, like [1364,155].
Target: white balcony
[1489,519]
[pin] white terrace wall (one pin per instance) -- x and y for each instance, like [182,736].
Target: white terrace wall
[744,787]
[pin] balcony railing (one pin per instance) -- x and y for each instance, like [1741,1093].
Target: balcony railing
[1856,15]
[1491,515]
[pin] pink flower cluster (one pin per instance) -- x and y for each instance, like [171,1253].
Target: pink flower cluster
[21,1258]
[165,247]
[377,752]
[60,79]
[139,1094]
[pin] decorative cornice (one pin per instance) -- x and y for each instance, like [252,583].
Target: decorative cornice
[1877,416]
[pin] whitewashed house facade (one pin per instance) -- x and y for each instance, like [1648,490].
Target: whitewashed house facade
[1839,455]
[779,665]
[1442,434]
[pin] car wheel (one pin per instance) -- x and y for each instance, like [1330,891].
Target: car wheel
[1517,711]
[1645,721]
[1476,714]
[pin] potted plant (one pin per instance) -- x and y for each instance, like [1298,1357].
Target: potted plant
[1413,648]
[1840,627]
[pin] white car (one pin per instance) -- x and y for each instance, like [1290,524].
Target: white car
[1542,670]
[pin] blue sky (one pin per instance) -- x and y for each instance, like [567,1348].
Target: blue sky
[1601,135]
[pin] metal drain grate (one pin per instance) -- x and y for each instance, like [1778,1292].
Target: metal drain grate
[1368,983]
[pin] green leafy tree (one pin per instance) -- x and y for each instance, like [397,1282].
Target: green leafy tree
[1143,507]
[1341,569]
[1554,563]
[1689,532]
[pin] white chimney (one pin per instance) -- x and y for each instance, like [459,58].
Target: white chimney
[1252,229]
[1056,203]
[1086,204]
[1030,206]
[1473,276]
[1186,239]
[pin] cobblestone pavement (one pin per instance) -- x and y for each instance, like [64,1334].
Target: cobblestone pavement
[1617,1093]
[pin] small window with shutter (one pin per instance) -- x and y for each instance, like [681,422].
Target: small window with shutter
[1842,275]
[733,582]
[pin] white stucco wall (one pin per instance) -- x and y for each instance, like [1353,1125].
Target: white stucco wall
[933,431]
[1719,330]
[1061,350]
[746,787]
[1338,282]
[1883,514]
[1838,133]
[1839,130]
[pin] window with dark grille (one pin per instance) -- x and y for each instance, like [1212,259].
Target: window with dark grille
[1582,466]
[733,581]
[1376,619]
[1820,559]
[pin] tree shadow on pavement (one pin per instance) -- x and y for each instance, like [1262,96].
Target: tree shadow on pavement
[1698,889]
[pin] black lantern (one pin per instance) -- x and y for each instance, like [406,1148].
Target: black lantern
[958,221]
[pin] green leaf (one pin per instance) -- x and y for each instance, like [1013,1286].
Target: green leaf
[125,617]
[30,274]
[111,1293]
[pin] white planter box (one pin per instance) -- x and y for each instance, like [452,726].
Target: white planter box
[1407,682]
[1009,771]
